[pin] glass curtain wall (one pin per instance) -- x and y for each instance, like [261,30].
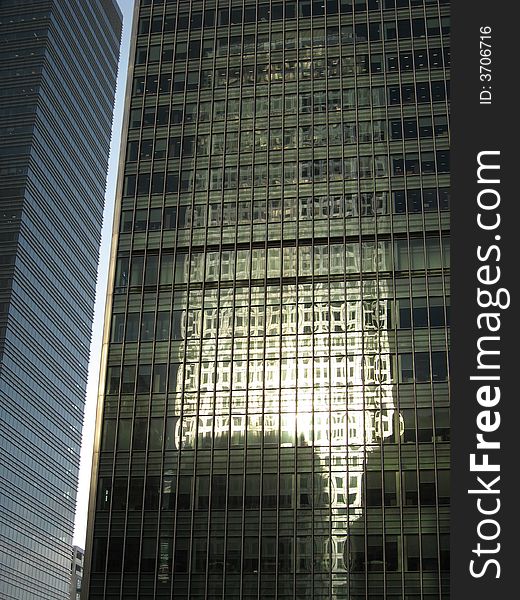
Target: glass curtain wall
[276,412]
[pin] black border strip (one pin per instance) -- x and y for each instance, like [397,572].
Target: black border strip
[478,127]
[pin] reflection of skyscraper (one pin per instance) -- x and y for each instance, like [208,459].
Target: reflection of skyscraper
[274,415]
[58,66]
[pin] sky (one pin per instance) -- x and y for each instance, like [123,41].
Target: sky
[99,309]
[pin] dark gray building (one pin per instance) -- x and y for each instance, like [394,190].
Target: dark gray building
[58,66]
[76,578]
[274,413]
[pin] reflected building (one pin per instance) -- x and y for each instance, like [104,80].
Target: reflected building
[273,416]
[58,68]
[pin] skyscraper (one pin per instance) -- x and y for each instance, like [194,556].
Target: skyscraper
[273,416]
[58,65]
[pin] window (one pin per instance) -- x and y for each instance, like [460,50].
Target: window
[147,326]
[132,327]
[128,379]
[135,496]
[152,492]
[155,441]
[163,326]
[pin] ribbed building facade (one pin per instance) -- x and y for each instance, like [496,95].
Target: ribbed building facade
[58,65]
[274,414]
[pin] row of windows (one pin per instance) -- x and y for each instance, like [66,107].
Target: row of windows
[278,138]
[278,69]
[283,587]
[25,36]
[16,111]
[220,413]
[303,318]
[358,427]
[323,292]
[273,374]
[288,172]
[277,72]
[351,433]
[276,210]
[414,163]
[16,130]
[332,5]
[17,71]
[301,373]
[258,263]
[318,102]
[303,9]
[291,40]
[268,554]
[386,488]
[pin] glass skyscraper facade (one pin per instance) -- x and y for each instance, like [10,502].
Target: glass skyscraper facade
[274,412]
[58,65]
